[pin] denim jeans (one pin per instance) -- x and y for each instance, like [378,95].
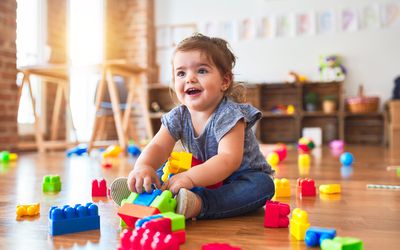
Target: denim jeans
[244,191]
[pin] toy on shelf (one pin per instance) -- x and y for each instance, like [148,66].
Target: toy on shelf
[299,224]
[28,210]
[306,187]
[218,246]
[283,109]
[78,150]
[99,188]
[330,189]
[276,214]
[294,77]
[346,159]
[342,243]
[75,219]
[316,235]
[51,183]
[305,145]
[6,156]
[282,187]
[310,100]
[331,69]
[112,151]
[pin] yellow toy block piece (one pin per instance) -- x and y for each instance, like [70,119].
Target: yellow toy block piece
[282,187]
[330,189]
[112,151]
[304,160]
[179,162]
[28,210]
[299,224]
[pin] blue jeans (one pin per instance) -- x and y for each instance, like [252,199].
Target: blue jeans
[244,191]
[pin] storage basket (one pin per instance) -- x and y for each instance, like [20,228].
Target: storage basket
[362,104]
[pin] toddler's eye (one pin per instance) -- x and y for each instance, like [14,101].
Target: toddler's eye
[203,71]
[180,73]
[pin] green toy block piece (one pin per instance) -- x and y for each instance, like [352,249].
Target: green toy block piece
[342,243]
[131,198]
[4,156]
[164,202]
[177,220]
[51,183]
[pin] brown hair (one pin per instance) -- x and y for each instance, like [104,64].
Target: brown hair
[219,52]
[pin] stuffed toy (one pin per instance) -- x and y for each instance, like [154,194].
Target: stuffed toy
[331,69]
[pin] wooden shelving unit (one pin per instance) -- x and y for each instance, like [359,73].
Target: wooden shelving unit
[281,127]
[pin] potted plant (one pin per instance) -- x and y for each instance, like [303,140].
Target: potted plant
[329,104]
[311,101]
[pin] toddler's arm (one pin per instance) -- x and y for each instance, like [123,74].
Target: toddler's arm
[152,157]
[218,167]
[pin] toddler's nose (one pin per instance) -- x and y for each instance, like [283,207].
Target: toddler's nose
[191,78]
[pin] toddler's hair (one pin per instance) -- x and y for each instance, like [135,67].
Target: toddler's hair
[219,52]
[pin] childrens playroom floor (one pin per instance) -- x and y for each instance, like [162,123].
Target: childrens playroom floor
[371,215]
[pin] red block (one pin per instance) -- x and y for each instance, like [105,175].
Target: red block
[130,213]
[144,239]
[180,235]
[276,214]
[306,187]
[162,225]
[99,188]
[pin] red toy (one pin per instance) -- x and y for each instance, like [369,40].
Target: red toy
[130,213]
[99,188]
[276,214]
[141,239]
[306,187]
[218,246]
[281,150]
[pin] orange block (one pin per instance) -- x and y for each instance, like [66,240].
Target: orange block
[130,213]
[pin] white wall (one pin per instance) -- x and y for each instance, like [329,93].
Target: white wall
[371,56]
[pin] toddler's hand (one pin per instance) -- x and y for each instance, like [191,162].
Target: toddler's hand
[142,176]
[177,182]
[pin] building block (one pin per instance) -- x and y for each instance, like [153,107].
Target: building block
[330,189]
[315,235]
[342,243]
[51,183]
[133,150]
[28,210]
[6,156]
[112,151]
[143,239]
[306,187]
[218,246]
[282,187]
[304,160]
[276,214]
[164,202]
[130,213]
[299,224]
[145,199]
[180,235]
[140,222]
[99,188]
[177,220]
[131,198]
[163,225]
[75,219]
[78,150]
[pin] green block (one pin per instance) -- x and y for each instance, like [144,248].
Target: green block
[131,198]
[4,156]
[177,220]
[51,183]
[164,202]
[342,243]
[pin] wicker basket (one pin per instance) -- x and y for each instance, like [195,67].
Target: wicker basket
[362,104]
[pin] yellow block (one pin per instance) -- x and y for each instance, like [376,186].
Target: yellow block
[282,187]
[299,224]
[330,189]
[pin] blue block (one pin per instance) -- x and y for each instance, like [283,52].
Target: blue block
[315,235]
[133,150]
[145,199]
[78,150]
[75,219]
[140,222]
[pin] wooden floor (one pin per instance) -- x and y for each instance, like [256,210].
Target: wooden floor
[369,214]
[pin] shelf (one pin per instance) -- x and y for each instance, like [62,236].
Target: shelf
[319,114]
[372,114]
[272,114]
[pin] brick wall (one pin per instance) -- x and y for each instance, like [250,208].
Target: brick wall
[8,72]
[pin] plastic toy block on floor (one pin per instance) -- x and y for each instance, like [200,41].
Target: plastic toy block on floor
[130,213]
[145,199]
[315,235]
[299,224]
[218,246]
[99,188]
[164,202]
[143,239]
[330,189]
[112,151]
[342,243]
[304,160]
[131,198]
[178,220]
[282,187]
[28,210]
[78,150]
[276,214]
[6,156]
[306,187]
[75,219]
[51,183]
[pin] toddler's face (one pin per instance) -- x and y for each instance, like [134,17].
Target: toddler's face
[198,83]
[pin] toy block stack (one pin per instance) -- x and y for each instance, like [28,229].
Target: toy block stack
[276,214]
[75,219]
[51,183]
[315,235]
